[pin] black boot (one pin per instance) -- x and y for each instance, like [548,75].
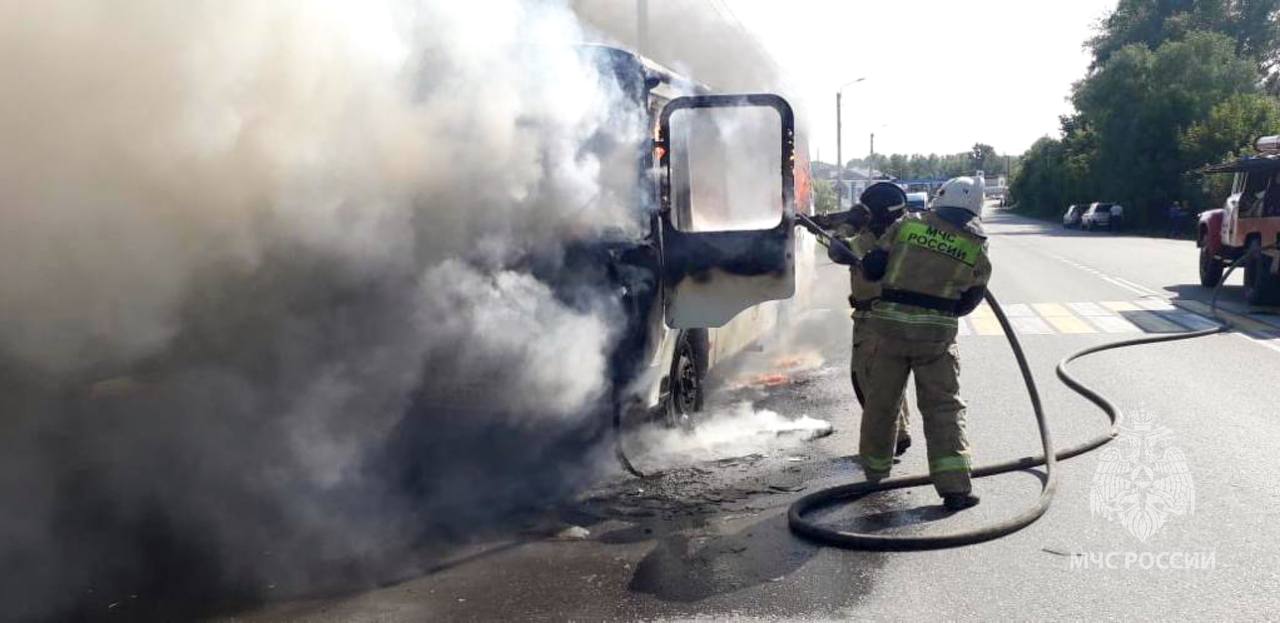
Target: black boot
[959,501]
[902,446]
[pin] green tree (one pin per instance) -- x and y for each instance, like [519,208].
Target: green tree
[1230,128]
[1175,84]
[1251,24]
[897,165]
[982,157]
[824,196]
[1228,131]
[1134,110]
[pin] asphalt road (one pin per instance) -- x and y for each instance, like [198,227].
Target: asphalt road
[1196,535]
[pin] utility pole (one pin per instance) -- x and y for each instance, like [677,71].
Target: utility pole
[871,167]
[839,158]
[642,26]
[839,150]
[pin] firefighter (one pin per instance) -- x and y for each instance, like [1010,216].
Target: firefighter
[879,206]
[932,268]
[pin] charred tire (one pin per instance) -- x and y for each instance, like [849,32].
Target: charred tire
[1260,286]
[1210,267]
[685,381]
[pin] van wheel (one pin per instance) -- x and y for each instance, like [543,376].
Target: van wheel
[1260,286]
[1210,268]
[685,387]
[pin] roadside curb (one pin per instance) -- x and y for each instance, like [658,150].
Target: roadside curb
[1236,320]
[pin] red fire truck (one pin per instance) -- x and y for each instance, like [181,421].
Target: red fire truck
[1247,224]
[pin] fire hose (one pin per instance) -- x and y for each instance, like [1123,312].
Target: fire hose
[802,525]
[825,498]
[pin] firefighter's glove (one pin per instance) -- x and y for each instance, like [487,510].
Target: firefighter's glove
[858,216]
[874,264]
[840,253]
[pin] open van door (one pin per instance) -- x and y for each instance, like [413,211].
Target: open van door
[727,205]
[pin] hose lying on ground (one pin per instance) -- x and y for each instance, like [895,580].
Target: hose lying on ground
[826,535]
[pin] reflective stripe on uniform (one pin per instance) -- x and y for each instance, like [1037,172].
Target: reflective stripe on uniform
[878,464]
[955,463]
[951,244]
[907,318]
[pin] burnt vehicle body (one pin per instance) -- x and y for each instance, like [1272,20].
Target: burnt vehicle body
[699,285]
[707,270]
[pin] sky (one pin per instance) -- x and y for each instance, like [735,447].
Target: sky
[940,75]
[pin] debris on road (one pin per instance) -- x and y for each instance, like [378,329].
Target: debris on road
[572,533]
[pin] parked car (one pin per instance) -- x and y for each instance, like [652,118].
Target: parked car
[1102,215]
[1072,216]
[917,202]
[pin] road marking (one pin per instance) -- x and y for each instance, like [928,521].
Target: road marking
[1247,323]
[1018,310]
[1146,315]
[1155,305]
[1120,306]
[1150,322]
[1123,284]
[1135,286]
[1050,310]
[1070,324]
[1030,326]
[1199,315]
[1088,309]
[1114,324]
[986,326]
[1061,319]
[1195,322]
[1247,329]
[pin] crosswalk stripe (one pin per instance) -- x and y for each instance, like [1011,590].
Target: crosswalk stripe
[1051,310]
[1088,309]
[1151,322]
[1155,305]
[1120,306]
[1189,320]
[1114,324]
[1062,319]
[986,326]
[1146,315]
[1018,310]
[1070,324]
[1030,326]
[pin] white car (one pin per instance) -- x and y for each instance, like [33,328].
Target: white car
[1101,215]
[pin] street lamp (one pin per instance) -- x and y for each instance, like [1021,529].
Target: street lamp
[839,151]
[871,161]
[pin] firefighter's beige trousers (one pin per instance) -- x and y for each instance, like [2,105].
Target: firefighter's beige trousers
[885,364]
[904,412]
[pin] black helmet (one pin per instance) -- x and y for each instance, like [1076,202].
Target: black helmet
[885,200]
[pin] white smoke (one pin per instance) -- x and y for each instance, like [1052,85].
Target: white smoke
[145,140]
[245,245]
[727,431]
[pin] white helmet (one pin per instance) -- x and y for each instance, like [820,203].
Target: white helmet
[961,192]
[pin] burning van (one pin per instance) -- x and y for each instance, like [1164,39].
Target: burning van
[718,182]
